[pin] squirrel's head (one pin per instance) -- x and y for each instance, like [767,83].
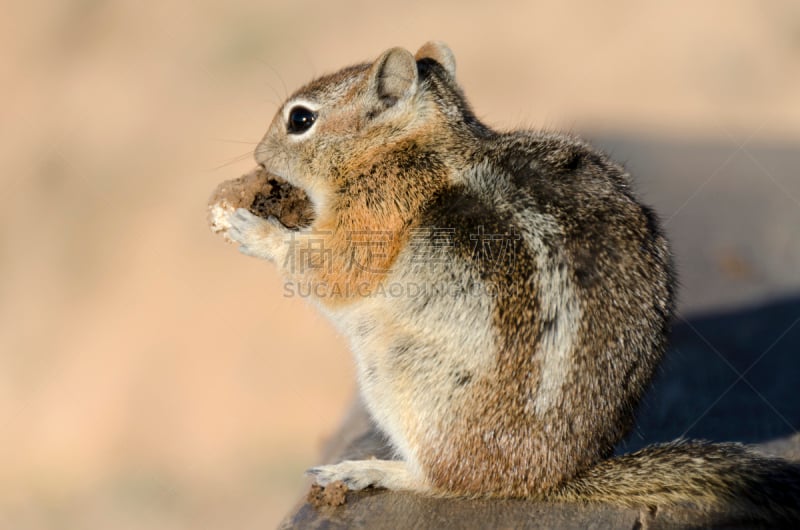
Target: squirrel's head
[340,121]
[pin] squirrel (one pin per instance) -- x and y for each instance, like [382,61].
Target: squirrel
[506,296]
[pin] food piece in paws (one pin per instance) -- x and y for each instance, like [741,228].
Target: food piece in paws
[265,195]
[288,203]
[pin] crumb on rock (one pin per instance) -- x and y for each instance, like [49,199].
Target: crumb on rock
[331,495]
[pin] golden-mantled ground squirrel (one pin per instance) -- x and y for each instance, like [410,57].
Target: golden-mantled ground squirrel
[506,296]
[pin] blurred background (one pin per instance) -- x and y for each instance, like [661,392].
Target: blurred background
[150,376]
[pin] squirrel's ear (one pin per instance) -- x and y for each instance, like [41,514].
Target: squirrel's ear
[394,75]
[439,52]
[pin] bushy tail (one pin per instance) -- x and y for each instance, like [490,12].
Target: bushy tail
[726,478]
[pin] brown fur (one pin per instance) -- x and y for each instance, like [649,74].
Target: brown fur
[375,215]
[520,382]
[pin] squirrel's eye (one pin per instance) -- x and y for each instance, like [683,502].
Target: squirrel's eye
[300,120]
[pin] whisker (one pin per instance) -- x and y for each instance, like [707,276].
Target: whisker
[234,160]
[309,60]
[280,78]
[229,141]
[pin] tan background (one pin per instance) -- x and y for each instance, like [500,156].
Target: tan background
[152,377]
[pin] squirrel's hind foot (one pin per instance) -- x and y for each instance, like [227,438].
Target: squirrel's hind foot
[359,474]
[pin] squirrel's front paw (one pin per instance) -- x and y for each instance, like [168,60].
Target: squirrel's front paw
[256,236]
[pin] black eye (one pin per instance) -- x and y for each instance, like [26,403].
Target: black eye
[300,120]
